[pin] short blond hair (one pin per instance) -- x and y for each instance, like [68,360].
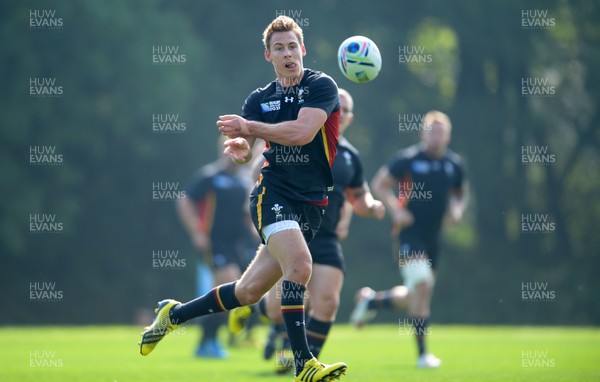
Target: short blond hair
[437,116]
[282,24]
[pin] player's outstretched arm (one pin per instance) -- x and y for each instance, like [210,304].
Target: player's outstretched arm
[298,132]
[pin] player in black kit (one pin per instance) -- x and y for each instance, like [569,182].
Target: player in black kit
[298,116]
[328,262]
[431,183]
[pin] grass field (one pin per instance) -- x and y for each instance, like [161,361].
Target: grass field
[377,353]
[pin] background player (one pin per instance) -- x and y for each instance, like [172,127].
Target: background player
[431,184]
[328,262]
[298,115]
[216,216]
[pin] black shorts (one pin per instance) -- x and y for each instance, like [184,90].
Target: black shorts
[327,251]
[414,244]
[238,251]
[267,206]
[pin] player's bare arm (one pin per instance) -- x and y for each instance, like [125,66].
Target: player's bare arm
[298,132]
[343,226]
[363,202]
[383,186]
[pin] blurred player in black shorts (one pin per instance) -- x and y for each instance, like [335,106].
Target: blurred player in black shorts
[431,185]
[215,214]
[298,116]
[328,262]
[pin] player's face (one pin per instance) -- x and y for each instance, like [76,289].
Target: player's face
[285,53]
[346,115]
[436,138]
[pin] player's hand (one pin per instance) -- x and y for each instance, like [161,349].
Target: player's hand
[238,149]
[233,126]
[201,241]
[401,218]
[378,210]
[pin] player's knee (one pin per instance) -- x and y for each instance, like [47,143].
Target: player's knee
[400,297]
[326,304]
[299,272]
[400,291]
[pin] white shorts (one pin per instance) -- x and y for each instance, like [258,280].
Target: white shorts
[277,227]
[417,271]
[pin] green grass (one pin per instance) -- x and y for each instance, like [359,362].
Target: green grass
[377,353]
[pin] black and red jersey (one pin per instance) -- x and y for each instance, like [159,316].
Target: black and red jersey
[347,173]
[302,173]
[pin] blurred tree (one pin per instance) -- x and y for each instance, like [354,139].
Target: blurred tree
[103,58]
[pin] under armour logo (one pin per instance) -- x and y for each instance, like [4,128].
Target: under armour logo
[288,99]
[299,323]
